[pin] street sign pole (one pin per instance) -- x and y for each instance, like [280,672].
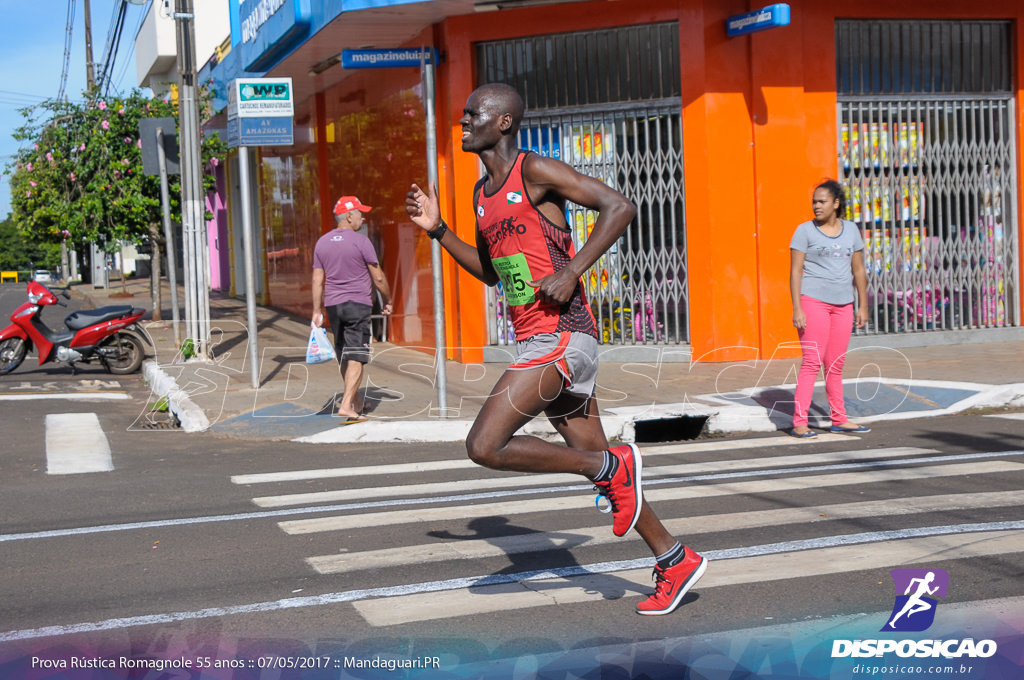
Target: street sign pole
[260,112]
[440,340]
[165,204]
[250,259]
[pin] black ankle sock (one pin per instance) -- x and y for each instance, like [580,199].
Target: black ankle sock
[672,556]
[608,468]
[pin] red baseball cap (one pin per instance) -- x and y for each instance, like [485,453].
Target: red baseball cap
[348,203]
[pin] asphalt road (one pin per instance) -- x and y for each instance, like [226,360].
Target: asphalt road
[253,552]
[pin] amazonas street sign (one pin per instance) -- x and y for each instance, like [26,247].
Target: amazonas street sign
[265,131]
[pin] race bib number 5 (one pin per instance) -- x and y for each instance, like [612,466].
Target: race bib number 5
[515,273]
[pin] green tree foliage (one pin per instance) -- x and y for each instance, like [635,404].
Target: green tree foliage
[17,253]
[79,173]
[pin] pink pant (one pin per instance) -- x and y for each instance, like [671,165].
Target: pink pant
[824,341]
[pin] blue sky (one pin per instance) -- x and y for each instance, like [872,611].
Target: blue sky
[32,58]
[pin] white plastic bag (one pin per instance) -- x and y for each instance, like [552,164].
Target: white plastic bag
[319,348]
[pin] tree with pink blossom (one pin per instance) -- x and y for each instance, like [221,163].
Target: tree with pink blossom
[79,178]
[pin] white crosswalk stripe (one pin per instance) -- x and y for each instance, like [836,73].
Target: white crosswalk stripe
[427,606]
[508,545]
[466,464]
[69,396]
[727,472]
[576,502]
[75,444]
[527,480]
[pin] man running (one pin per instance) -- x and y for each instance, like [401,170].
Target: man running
[523,241]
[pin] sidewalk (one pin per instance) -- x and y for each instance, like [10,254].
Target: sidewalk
[295,400]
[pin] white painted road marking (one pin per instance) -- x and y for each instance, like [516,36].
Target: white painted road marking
[1008,416]
[463,463]
[798,559]
[471,549]
[75,444]
[521,480]
[1005,538]
[578,502]
[291,512]
[73,396]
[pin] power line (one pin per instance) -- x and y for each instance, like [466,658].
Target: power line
[25,95]
[68,32]
[128,62]
[19,100]
[113,45]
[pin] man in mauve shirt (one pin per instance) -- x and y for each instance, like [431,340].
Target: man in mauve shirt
[345,271]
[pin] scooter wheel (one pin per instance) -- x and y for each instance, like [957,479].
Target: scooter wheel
[129,354]
[12,353]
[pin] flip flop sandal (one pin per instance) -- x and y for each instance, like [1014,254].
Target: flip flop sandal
[353,421]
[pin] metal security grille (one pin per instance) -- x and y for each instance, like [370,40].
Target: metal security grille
[935,57]
[928,159]
[630,64]
[625,129]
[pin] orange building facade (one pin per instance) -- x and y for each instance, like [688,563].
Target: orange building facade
[762,119]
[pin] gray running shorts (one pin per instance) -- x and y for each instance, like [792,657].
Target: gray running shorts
[574,354]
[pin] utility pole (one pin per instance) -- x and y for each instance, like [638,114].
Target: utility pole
[90,68]
[197,289]
[97,257]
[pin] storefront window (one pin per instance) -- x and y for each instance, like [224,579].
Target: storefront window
[926,142]
[376,149]
[290,217]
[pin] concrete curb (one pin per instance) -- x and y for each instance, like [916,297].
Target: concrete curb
[723,417]
[619,425]
[162,385]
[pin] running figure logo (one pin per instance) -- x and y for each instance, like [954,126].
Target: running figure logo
[914,610]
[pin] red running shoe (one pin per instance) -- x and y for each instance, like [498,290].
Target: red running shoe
[623,489]
[672,584]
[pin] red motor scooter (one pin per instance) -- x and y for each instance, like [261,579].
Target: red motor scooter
[108,335]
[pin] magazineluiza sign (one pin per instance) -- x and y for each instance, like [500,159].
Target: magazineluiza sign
[771,16]
[388,58]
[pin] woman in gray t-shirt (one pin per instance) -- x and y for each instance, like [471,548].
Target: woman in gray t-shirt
[826,264]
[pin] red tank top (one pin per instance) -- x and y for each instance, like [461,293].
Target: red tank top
[525,246]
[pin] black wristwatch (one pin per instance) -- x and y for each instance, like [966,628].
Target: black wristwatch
[437,233]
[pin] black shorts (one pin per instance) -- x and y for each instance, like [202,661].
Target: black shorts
[350,323]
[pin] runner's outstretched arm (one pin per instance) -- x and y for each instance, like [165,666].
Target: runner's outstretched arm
[425,212]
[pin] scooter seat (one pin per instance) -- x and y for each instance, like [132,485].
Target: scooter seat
[90,317]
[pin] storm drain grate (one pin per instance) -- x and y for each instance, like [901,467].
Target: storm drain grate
[158,421]
[669,429]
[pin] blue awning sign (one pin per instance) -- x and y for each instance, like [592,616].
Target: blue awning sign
[389,58]
[263,31]
[771,16]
